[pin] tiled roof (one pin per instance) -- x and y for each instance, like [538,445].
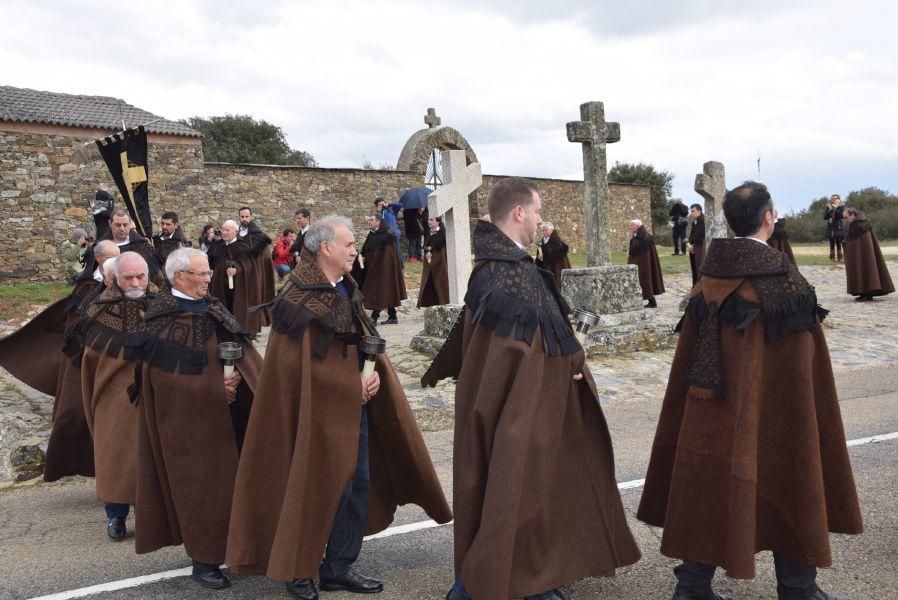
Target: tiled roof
[21,105]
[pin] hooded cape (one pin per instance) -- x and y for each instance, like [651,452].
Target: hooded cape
[302,442]
[263,275]
[644,255]
[384,283]
[742,463]
[535,499]
[188,434]
[434,289]
[865,268]
[107,370]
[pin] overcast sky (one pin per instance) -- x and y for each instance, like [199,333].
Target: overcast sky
[811,86]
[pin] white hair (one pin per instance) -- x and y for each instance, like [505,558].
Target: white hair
[547,224]
[179,260]
[323,230]
[112,267]
[231,223]
[636,222]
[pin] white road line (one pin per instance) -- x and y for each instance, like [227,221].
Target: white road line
[873,439]
[389,532]
[118,585]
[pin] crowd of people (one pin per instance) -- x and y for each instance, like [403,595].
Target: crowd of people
[280,466]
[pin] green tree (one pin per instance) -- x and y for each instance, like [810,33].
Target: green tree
[660,182]
[242,139]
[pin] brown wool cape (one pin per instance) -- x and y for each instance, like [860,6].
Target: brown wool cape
[302,441]
[247,291]
[263,272]
[384,283]
[188,433]
[107,370]
[45,354]
[554,256]
[644,255]
[534,494]
[780,240]
[741,463]
[434,289]
[865,268]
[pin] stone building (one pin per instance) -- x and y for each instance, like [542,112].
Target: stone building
[49,173]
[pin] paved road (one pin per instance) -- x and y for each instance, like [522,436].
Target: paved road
[52,537]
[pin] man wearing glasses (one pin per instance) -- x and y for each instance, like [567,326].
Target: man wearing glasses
[192,418]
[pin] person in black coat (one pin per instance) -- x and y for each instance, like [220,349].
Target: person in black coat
[678,222]
[835,231]
[414,230]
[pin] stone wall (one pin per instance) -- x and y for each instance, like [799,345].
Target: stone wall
[48,180]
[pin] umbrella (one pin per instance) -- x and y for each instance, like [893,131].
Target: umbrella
[415,198]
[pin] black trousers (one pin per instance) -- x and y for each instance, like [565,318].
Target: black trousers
[794,579]
[391,313]
[345,541]
[679,239]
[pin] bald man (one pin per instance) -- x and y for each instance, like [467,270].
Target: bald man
[107,370]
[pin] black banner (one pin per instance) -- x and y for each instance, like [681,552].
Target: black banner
[125,154]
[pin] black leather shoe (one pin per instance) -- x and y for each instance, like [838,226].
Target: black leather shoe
[116,528]
[210,576]
[351,581]
[303,589]
[393,321]
[711,595]
[821,595]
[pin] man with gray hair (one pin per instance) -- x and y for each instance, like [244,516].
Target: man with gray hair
[237,277]
[303,488]
[551,252]
[193,413]
[107,369]
[644,255]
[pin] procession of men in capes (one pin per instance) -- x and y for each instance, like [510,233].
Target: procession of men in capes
[280,466]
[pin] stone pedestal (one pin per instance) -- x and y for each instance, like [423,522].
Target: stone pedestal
[438,322]
[613,293]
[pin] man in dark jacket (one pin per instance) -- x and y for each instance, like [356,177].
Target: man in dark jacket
[170,238]
[835,231]
[551,252]
[678,223]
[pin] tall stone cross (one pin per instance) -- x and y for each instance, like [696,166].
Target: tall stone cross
[450,200]
[431,119]
[711,185]
[594,132]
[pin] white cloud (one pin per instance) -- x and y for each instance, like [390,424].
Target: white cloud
[811,87]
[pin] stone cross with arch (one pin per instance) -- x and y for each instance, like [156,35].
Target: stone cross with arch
[593,132]
[450,201]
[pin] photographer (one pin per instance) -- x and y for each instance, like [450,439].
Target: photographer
[678,222]
[209,235]
[834,229]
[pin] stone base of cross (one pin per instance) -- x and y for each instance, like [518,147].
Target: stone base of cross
[450,201]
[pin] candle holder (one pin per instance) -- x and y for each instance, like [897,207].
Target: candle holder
[583,320]
[371,346]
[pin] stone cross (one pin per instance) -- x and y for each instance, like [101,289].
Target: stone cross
[594,132]
[431,118]
[711,185]
[450,201]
